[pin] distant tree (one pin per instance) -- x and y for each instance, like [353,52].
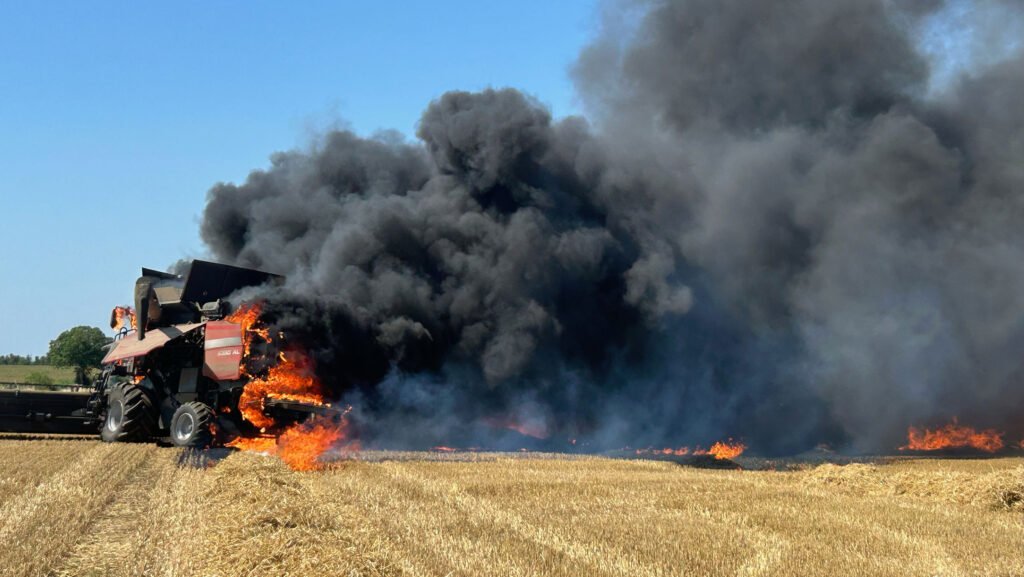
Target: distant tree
[81,348]
[13,359]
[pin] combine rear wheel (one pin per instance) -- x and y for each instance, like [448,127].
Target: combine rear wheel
[130,414]
[191,426]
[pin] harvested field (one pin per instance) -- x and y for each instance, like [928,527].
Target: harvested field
[79,507]
[18,373]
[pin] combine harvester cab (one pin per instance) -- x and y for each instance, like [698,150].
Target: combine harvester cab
[178,376]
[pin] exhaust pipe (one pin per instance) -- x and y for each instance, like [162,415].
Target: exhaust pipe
[143,286]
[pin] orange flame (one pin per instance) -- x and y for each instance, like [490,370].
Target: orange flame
[301,445]
[262,444]
[666,451]
[727,450]
[248,315]
[292,379]
[719,450]
[953,436]
[120,313]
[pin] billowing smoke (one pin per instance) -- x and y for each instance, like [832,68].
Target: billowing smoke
[772,225]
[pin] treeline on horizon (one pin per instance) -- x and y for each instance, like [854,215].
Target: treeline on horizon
[12,359]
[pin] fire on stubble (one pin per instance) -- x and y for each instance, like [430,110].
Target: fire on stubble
[953,436]
[300,445]
[720,450]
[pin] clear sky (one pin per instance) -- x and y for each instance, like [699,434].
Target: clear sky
[116,118]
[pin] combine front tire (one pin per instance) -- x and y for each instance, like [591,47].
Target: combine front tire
[130,415]
[191,426]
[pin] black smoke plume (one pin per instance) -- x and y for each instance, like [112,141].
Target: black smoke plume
[770,226]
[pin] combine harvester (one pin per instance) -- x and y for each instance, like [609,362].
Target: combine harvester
[178,377]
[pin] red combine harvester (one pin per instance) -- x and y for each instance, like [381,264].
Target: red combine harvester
[178,377]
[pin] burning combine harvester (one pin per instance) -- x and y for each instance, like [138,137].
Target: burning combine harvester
[181,370]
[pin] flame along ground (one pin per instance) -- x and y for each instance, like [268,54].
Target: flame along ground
[719,450]
[954,436]
[302,444]
[292,379]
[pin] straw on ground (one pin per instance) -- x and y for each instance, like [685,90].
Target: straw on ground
[83,508]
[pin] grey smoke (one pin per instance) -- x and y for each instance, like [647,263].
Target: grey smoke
[769,227]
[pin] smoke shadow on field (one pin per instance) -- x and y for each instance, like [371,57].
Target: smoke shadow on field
[708,462]
[963,453]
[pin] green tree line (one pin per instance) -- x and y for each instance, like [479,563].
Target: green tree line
[12,359]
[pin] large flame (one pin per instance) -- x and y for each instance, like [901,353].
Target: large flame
[301,445]
[953,436]
[291,379]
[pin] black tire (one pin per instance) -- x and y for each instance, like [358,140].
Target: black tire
[130,414]
[192,426]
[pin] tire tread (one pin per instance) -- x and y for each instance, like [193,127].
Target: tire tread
[139,421]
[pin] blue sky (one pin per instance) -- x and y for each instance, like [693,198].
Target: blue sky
[116,118]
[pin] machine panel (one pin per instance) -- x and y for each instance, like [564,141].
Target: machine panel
[223,351]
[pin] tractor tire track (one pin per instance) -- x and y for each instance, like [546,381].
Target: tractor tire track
[129,536]
[40,526]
